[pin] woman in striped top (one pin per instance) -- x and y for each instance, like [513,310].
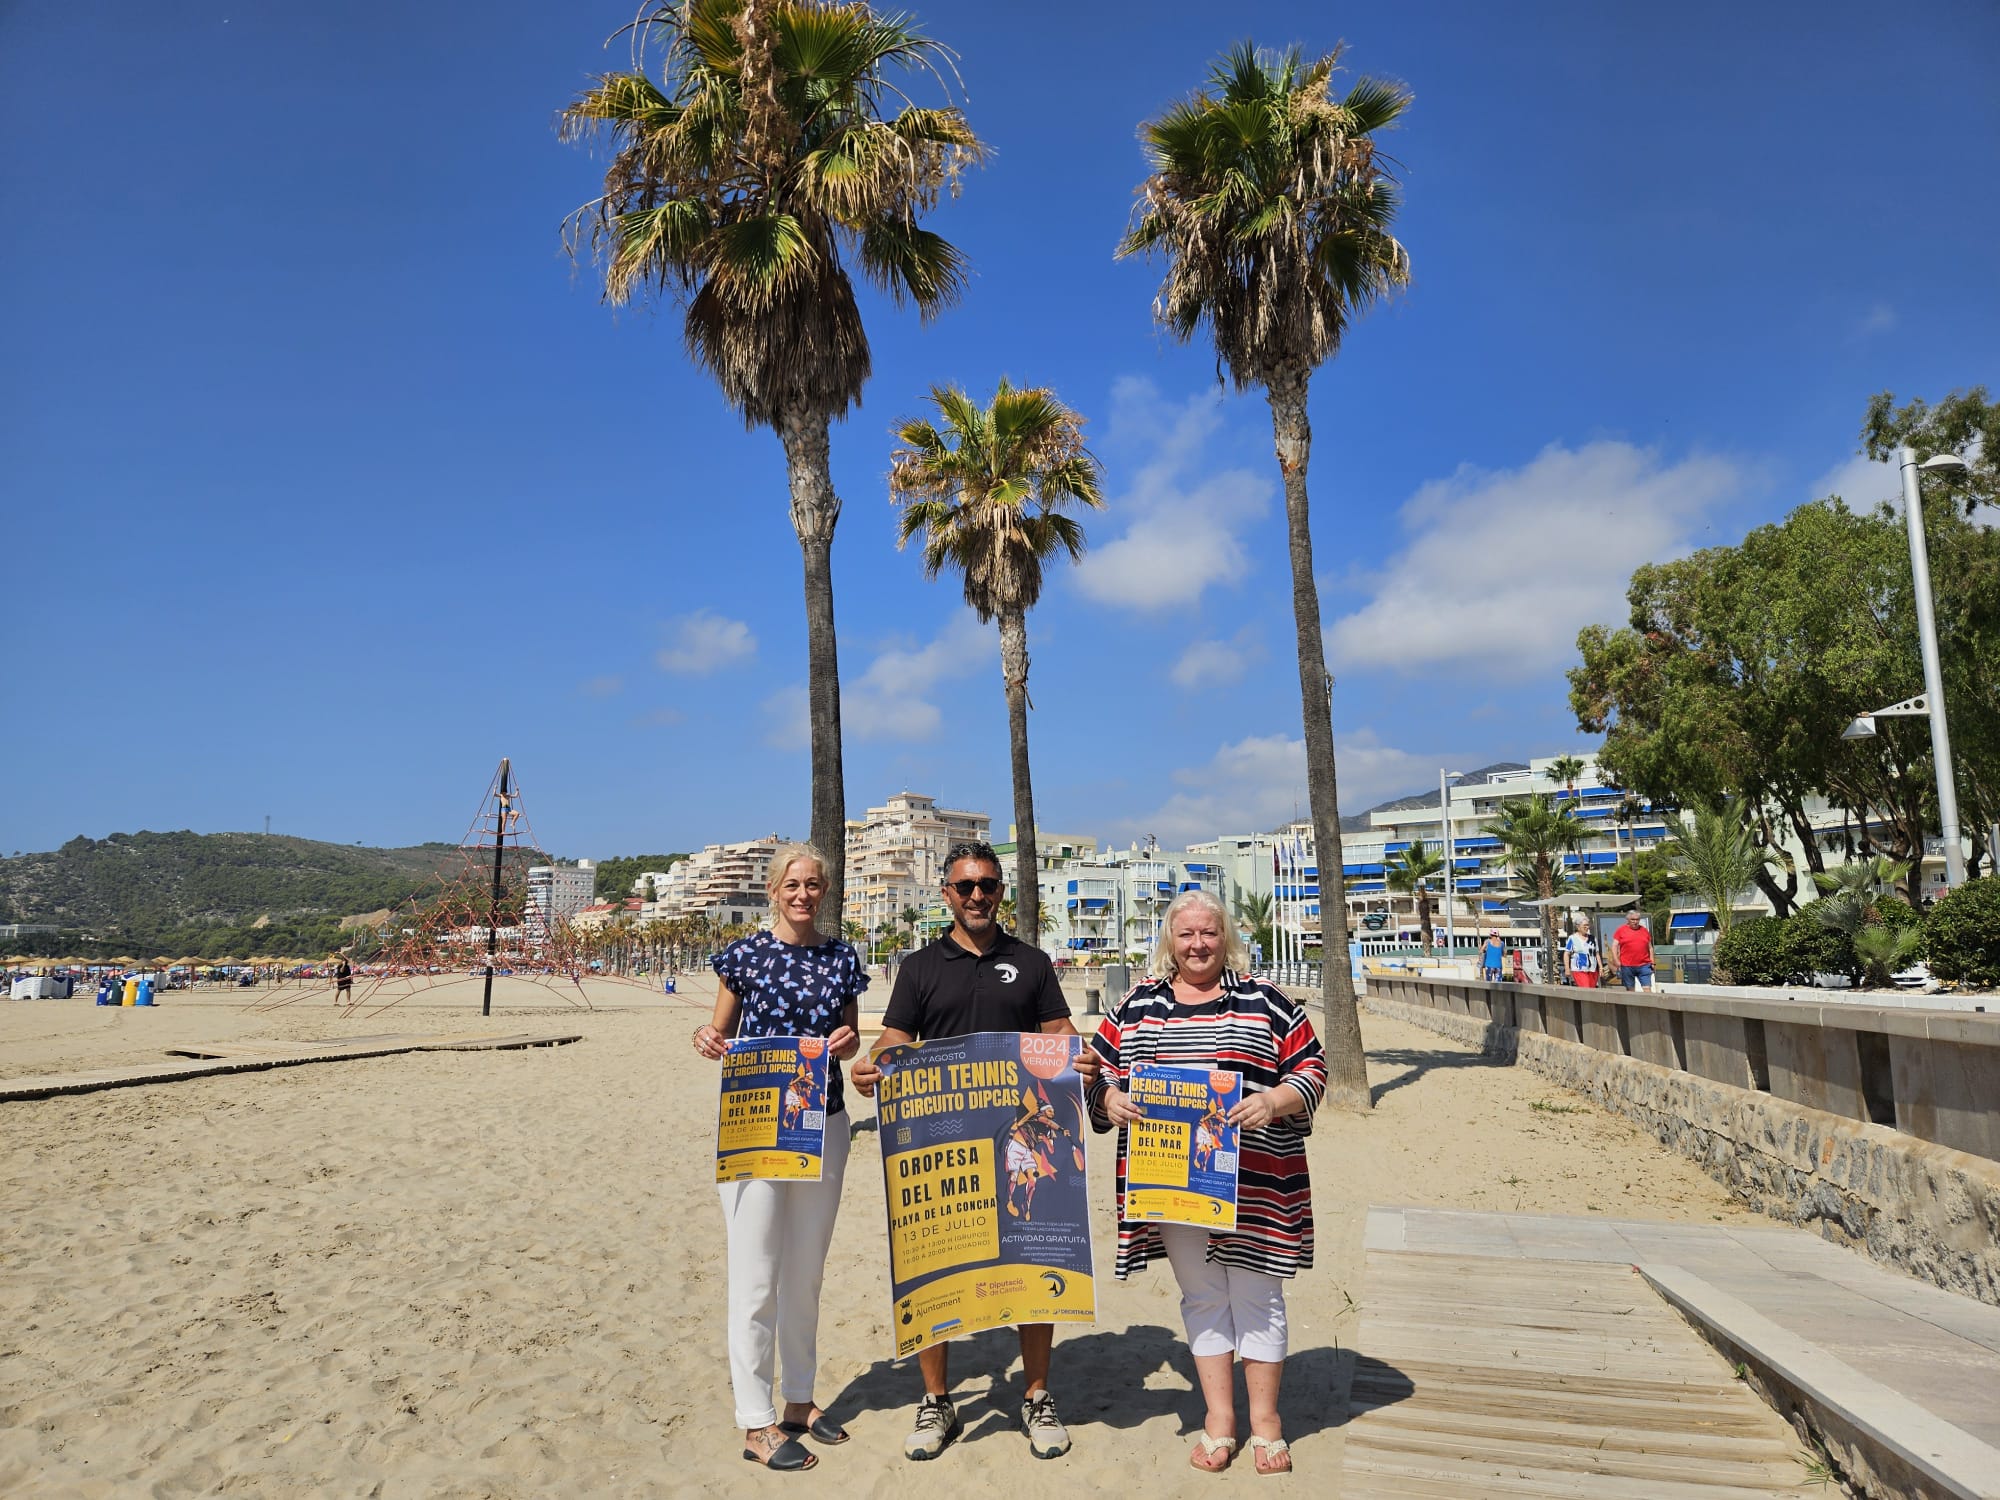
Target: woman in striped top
[1206,1012]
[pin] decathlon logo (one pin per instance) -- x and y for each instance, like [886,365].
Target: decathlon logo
[1007,972]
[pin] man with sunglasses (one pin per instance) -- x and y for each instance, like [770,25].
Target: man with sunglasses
[977,977]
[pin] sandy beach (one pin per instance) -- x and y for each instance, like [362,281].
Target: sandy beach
[501,1273]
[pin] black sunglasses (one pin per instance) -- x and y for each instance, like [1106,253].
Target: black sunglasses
[986,885]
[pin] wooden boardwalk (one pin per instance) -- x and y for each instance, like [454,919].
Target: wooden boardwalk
[205,1060]
[1483,1376]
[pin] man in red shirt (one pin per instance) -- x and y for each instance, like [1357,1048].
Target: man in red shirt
[1635,953]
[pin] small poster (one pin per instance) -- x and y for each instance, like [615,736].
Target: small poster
[771,1121]
[983,1167]
[1180,1159]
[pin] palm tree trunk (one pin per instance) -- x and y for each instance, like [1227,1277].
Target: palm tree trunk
[815,510]
[1423,916]
[1027,865]
[1545,886]
[1347,1064]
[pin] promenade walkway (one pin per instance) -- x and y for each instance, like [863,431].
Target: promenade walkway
[1527,1355]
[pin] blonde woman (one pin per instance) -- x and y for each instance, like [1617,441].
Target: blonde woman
[792,980]
[1205,1011]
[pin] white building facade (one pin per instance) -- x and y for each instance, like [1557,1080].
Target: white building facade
[556,893]
[896,859]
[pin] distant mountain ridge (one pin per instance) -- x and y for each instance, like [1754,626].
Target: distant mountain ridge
[214,895]
[1357,822]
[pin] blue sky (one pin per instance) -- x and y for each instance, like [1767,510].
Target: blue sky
[329,481]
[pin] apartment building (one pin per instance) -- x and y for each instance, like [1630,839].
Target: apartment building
[557,893]
[1111,904]
[895,857]
[721,882]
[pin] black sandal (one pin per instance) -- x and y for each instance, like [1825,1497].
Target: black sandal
[788,1457]
[823,1429]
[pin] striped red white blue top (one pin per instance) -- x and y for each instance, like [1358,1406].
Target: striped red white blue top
[1250,1028]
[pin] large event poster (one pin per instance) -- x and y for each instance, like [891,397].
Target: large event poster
[771,1122]
[1180,1160]
[983,1166]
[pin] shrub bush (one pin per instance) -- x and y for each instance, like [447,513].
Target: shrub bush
[1753,952]
[1811,947]
[1962,934]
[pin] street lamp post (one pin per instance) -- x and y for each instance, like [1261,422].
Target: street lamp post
[1444,823]
[1931,703]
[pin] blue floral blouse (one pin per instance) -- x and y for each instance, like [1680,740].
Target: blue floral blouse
[788,990]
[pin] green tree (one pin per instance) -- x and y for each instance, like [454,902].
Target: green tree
[1964,423]
[988,490]
[1741,665]
[1253,910]
[1411,871]
[1566,768]
[1718,857]
[1271,204]
[746,181]
[1536,832]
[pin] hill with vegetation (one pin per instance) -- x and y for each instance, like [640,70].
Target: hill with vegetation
[206,895]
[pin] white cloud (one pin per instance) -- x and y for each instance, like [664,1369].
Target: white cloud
[1504,567]
[1260,783]
[787,719]
[891,699]
[704,642]
[1861,482]
[1183,525]
[1217,663]
[1880,318]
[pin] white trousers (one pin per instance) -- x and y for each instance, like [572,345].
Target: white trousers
[1225,1309]
[778,1237]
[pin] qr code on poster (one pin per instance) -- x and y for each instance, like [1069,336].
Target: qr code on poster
[814,1119]
[1225,1161]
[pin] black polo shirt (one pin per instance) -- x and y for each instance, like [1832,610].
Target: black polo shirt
[944,989]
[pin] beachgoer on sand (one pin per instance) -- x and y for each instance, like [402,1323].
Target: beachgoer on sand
[977,977]
[1206,1012]
[792,980]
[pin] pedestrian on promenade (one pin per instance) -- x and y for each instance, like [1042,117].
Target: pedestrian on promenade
[1492,958]
[1205,1011]
[1635,952]
[1582,955]
[977,977]
[792,980]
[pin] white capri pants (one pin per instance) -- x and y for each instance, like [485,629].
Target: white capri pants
[1226,1309]
[778,1237]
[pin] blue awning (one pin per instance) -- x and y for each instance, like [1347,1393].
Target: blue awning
[1493,905]
[1467,864]
[1368,885]
[1362,869]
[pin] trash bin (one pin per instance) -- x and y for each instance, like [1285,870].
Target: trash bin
[667,985]
[1093,1000]
[145,995]
[131,992]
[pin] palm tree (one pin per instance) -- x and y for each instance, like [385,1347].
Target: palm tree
[1536,833]
[1719,857]
[745,182]
[987,493]
[1412,870]
[1566,768]
[1253,910]
[1272,207]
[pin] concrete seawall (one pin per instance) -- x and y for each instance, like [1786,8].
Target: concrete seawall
[1877,1128]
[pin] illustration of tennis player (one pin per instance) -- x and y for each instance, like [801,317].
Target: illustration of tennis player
[1028,1150]
[1210,1131]
[798,1095]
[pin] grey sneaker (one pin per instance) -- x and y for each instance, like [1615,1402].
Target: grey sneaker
[937,1425]
[1047,1437]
